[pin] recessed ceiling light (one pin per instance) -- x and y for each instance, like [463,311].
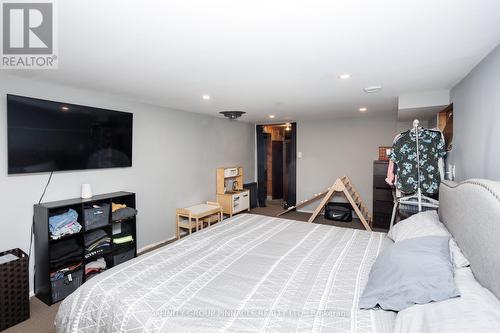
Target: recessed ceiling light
[206,97]
[372,89]
[272,116]
[64,108]
[344,76]
[363,109]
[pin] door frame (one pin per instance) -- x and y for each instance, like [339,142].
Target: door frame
[261,165]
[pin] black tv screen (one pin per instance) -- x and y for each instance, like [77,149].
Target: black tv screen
[48,136]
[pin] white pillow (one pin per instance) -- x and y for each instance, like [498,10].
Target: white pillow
[457,256]
[418,225]
[477,310]
[427,224]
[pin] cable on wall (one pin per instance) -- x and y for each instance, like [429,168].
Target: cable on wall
[33,221]
[32,234]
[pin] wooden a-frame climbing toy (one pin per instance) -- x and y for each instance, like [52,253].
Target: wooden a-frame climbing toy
[341,185]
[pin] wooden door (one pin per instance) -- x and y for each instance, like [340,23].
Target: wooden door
[286,177]
[261,165]
[277,153]
[291,174]
[445,124]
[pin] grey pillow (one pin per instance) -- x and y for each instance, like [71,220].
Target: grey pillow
[409,272]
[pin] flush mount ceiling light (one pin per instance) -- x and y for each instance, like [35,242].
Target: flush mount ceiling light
[363,109]
[64,108]
[372,89]
[272,116]
[206,97]
[344,76]
[232,114]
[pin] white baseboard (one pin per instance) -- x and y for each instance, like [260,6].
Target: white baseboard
[150,246]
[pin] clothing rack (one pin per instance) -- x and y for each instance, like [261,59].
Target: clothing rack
[416,124]
[422,200]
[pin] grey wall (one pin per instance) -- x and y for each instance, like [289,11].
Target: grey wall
[175,154]
[334,148]
[476,121]
[403,126]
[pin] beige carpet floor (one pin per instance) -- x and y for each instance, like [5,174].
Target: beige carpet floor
[42,316]
[41,319]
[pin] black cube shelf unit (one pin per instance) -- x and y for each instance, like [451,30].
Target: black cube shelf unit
[43,241]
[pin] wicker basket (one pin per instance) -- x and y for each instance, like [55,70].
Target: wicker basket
[14,290]
[384,153]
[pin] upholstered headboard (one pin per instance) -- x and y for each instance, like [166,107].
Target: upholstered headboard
[471,212]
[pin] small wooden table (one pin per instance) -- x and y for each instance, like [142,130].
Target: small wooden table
[195,215]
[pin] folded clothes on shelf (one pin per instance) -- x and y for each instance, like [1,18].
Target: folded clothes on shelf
[98,263]
[96,242]
[64,224]
[115,207]
[122,213]
[102,243]
[95,267]
[94,237]
[123,240]
[64,252]
[68,229]
[59,274]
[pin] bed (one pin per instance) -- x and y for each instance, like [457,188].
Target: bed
[247,273]
[255,273]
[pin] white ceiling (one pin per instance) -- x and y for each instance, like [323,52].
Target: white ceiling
[271,57]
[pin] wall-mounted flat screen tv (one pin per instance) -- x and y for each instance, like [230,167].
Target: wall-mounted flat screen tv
[45,136]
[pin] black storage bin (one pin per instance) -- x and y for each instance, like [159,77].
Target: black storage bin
[66,285]
[125,255]
[96,217]
[14,290]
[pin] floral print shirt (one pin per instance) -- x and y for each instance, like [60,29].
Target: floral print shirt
[404,154]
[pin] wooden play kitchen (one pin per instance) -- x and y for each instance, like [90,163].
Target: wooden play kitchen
[230,193]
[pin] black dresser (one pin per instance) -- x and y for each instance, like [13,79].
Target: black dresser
[382,196]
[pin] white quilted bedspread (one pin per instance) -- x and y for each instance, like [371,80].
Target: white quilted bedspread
[246,274]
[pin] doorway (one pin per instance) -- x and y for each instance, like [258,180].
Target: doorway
[276,164]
